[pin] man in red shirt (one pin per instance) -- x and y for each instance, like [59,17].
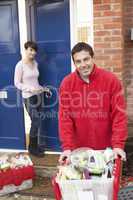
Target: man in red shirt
[92,110]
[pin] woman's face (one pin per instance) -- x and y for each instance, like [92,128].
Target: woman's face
[30,53]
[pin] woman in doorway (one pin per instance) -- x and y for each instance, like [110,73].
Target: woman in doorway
[26,80]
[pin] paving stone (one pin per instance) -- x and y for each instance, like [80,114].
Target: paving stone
[49,160]
[41,190]
[23,197]
[45,171]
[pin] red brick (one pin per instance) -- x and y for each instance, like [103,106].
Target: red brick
[97,14]
[129,45]
[115,38]
[116,45]
[116,32]
[116,1]
[102,33]
[128,4]
[118,19]
[98,27]
[98,51]
[106,1]
[99,63]
[99,39]
[117,7]
[116,57]
[97,1]
[106,20]
[112,26]
[102,7]
[102,57]
[112,13]
[102,45]
[113,51]
[117,69]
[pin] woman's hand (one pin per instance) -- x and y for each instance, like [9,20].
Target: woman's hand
[33,89]
[47,91]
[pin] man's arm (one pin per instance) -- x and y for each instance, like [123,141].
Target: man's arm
[66,124]
[119,119]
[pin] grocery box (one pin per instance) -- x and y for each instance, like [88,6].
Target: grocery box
[90,175]
[87,189]
[16,171]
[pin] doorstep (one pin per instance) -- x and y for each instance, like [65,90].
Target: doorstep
[47,166]
[22,197]
[42,187]
[41,190]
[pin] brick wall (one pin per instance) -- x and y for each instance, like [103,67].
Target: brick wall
[113,20]
[128,60]
[108,34]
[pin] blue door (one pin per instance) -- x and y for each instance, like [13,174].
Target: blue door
[11,111]
[50,27]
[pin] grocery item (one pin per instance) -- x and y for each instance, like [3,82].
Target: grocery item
[79,159]
[69,173]
[88,164]
[90,175]
[96,163]
[16,172]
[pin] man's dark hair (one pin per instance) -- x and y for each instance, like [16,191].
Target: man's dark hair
[31,44]
[82,46]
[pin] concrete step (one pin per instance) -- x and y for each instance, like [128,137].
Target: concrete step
[42,190]
[45,171]
[47,166]
[47,160]
[23,197]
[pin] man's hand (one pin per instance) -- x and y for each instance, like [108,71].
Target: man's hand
[65,157]
[119,152]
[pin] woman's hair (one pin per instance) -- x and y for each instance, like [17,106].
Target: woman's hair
[31,44]
[82,46]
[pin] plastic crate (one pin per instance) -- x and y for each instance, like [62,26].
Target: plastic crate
[77,190]
[16,179]
[87,189]
[19,174]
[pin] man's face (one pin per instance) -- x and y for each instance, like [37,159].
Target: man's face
[30,53]
[83,62]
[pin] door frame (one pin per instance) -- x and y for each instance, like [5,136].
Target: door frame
[73,35]
[73,22]
[22,24]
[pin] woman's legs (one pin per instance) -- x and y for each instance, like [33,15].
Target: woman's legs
[34,108]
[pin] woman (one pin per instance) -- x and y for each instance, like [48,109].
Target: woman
[26,80]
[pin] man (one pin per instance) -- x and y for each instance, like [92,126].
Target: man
[91,107]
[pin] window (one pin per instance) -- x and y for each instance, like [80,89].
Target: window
[83,28]
[82,21]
